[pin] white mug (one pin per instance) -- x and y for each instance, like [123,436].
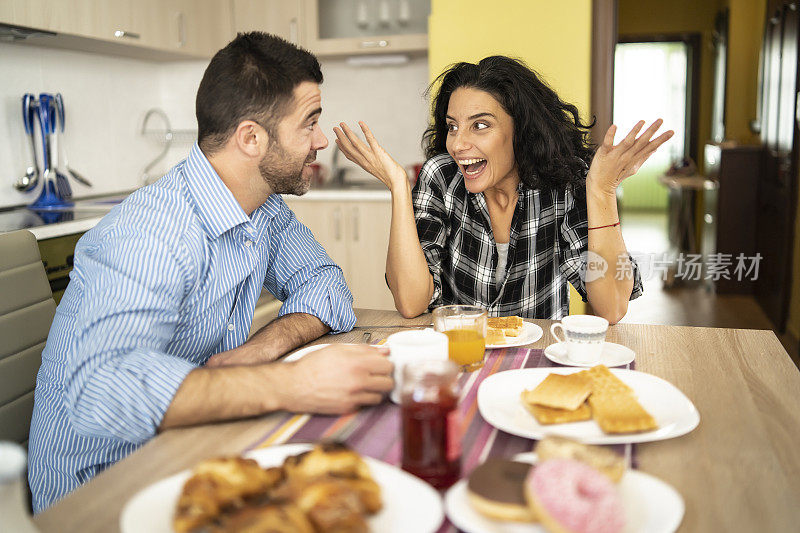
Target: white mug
[584,336]
[413,345]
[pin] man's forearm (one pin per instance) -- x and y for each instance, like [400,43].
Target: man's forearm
[215,394]
[273,340]
[287,333]
[334,380]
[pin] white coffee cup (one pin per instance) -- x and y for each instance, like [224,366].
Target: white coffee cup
[584,336]
[413,345]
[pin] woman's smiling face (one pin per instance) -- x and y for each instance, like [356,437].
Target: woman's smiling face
[480,137]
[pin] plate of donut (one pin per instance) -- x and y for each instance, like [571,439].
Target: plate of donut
[497,496]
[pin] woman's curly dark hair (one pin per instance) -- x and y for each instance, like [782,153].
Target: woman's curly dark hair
[551,145]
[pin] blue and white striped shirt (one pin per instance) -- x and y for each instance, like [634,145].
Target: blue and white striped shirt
[167,279]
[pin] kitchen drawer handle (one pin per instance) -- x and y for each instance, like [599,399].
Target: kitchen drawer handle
[293,35]
[181,30]
[355,224]
[127,34]
[374,44]
[337,224]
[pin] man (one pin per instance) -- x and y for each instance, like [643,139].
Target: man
[151,331]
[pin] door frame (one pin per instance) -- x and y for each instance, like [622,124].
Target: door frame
[779,314]
[604,41]
[693,42]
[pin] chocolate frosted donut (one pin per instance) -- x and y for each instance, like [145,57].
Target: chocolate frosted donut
[496,490]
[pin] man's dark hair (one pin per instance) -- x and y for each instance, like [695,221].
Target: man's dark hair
[551,145]
[252,78]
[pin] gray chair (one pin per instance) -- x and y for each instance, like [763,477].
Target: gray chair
[26,312]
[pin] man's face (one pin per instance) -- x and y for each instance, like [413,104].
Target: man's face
[285,167]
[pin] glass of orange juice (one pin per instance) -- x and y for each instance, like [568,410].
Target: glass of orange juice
[465,327]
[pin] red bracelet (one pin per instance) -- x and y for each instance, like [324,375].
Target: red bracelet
[607,225]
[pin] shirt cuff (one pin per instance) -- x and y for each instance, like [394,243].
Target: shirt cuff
[333,307]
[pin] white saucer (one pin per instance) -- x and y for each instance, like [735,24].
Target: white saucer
[613,355]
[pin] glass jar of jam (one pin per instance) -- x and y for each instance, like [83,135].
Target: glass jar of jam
[431,422]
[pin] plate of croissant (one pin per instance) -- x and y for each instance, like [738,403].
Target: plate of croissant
[300,488]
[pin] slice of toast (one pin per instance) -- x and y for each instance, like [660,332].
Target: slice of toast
[620,413]
[560,391]
[614,404]
[549,415]
[495,336]
[511,325]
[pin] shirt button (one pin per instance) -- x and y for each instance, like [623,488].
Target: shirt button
[230,327]
[248,243]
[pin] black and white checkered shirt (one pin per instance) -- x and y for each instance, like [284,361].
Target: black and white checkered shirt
[549,240]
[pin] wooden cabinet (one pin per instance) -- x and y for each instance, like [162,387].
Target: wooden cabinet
[176,28]
[356,236]
[353,27]
[279,17]
[126,21]
[198,27]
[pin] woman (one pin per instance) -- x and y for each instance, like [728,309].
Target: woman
[511,202]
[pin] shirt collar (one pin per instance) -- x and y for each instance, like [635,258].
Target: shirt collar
[263,215]
[215,204]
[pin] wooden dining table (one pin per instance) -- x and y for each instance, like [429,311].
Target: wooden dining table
[739,470]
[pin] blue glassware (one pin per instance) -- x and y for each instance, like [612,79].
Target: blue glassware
[50,197]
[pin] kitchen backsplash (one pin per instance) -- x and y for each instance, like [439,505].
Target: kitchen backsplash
[106,98]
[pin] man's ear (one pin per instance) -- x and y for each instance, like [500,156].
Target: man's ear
[251,138]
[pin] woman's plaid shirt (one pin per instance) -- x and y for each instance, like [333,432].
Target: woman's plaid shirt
[549,241]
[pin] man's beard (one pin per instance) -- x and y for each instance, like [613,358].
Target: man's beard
[283,174]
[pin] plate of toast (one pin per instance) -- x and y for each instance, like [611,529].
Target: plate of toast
[595,406]
[300,488]
[508,331]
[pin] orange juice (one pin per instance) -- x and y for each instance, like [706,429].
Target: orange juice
[466,347]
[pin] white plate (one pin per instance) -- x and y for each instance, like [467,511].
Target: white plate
[530,334]
[651,506]
[500,405]
[612,355]
[150,510]
[302,352]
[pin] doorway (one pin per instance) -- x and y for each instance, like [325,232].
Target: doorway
[654,78]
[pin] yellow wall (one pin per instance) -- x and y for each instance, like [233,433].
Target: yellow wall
[745,33]
[552,39]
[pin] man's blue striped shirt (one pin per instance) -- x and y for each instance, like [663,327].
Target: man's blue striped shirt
[167,279]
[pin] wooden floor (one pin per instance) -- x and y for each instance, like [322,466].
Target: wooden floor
[689,304]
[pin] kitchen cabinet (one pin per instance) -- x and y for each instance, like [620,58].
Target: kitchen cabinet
[354,27]
[174,28]
[278,17]
[355,233]
[120,20]
[198,27]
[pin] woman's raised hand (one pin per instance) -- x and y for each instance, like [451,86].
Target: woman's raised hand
[371,156]
[612,164]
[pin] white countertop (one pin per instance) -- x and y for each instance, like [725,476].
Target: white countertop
[84,215]
[64,228]
[59,229]
[348,195]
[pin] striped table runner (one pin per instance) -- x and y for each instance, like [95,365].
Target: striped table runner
[375,431]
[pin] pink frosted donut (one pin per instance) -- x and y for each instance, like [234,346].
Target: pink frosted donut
[570,496]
